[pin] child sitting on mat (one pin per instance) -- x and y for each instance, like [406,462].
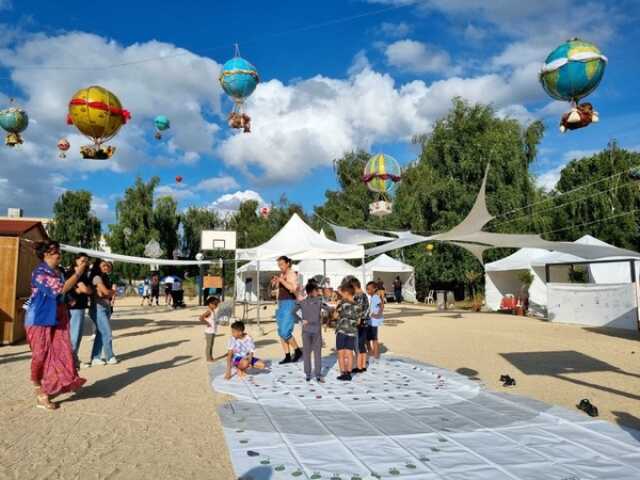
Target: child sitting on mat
[240,352]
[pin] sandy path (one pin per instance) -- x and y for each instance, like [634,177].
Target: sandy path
[154,415]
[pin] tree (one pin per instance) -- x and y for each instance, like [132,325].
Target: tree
[194,221]
[166,222]
[605,191]
[134,226]
[74,222]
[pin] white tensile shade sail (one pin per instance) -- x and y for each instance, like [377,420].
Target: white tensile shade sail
[299,241]
[115,257]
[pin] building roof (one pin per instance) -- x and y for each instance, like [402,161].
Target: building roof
[16,227]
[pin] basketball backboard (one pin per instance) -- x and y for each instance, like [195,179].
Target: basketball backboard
[218,240]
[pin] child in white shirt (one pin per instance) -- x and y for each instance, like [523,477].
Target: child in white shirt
[241,351]
[209,319]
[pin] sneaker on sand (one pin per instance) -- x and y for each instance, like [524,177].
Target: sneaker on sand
[112,361]
[85,365]
[320,379]
[97,361]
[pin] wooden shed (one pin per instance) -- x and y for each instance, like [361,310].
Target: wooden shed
[17,261]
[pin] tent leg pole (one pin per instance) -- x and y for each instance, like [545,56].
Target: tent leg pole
[364,273]
[258,290]
[324,270]
[235,285]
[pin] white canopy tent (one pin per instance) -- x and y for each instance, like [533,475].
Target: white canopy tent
[299,241]
[387,269]
[551,282]
[334,270]
[247,279]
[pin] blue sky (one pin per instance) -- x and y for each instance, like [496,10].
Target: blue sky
[335,76]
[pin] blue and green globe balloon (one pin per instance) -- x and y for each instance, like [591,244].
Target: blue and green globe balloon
[381,173]
[14,120]
[161,123]
[573,70]
[239,79]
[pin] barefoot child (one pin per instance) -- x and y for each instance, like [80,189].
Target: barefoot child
[311,309]
[362,300]
[376,310]
[209,319]
[348,316]
[240,352]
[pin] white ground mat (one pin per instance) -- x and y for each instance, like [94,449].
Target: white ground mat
[406,420]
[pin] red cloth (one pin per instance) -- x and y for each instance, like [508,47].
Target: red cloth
[52,364]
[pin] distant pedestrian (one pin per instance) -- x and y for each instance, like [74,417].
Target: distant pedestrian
[397,290]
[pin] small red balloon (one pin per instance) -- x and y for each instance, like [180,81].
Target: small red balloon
[178,179]
[63,144]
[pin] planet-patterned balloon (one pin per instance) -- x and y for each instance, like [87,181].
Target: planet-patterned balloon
[239,79]
[161,122]
[381,173]
[14,120]
[573,70]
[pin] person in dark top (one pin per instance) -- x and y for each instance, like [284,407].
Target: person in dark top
[100,311]
[287,285]
[362,300]
[397,289]
[155,289]
[311,309]
[77,300]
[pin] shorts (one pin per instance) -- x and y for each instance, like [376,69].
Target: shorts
[362,339]
[372,333]
[285,318]
[345,342]
[155,292]
[237,359]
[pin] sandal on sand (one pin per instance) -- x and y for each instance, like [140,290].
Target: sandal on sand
[507,381]
[587,407]
[43,402]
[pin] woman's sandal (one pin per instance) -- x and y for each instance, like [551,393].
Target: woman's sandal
[43,402]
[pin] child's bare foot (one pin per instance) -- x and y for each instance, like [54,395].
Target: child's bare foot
[241,374]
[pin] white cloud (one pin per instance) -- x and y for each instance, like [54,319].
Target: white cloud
[577,154]
[549,179]
[359,63]
[473,33]
[177,192]
[229,203]
[146,89]
[395,30]
[418,57]
[222,183]
[101,208]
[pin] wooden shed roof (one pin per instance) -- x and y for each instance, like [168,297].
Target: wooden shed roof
[17,228]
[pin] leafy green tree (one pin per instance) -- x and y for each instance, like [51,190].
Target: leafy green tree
[134,226]
[166,222]
[73,221]
[595,188]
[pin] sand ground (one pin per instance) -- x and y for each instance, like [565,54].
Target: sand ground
[154,414]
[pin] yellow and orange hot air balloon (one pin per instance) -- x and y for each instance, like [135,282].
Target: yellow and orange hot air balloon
[98,115]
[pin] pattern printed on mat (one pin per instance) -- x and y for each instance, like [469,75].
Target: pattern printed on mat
[407,420]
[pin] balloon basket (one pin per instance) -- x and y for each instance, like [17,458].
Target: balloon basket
[158,136]
[97,152]
[13,139]
[380,208]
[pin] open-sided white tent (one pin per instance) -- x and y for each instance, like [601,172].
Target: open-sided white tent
[300,242]
[334,270]
[387,269]
[247,279]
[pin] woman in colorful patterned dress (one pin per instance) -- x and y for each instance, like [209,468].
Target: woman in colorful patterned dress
[53,369]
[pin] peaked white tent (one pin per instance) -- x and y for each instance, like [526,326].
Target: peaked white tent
[334,270]
[300,242]
[387,269]
[247,279]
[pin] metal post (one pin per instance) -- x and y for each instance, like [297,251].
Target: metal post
[201,282]
[324,270]
[222,273]
[364,273]
[546,273]
[258,290]
[235,285]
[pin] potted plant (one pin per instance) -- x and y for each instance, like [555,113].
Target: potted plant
[472,281]
[526,279]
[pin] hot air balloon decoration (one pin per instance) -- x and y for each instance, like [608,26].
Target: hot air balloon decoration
[63,146]
[429,248]
[161,123]
[98,115]
[239,79]
[264,212]
[178,179]
[381,174]
[571,72]
[14,121]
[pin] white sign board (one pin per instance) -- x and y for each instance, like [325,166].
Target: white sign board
[607,305]
[218,240]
